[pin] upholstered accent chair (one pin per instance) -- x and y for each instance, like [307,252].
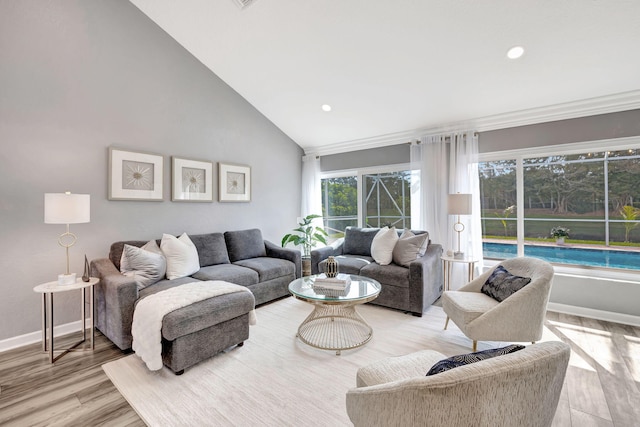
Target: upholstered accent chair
[516,389]
[518,318]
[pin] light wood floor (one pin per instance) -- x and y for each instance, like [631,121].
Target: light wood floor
[602,387]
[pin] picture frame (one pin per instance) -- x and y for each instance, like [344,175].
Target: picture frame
[234,183]
[135,175]
[191,180]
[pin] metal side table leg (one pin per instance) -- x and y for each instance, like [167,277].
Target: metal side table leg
[91,317]
[44,322]
[50,321]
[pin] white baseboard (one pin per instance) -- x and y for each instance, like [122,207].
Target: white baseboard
[609,316]
[34,337]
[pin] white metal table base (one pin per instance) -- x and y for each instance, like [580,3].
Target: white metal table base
[47,325]
[334,327]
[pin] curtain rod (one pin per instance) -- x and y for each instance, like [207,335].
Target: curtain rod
[446,138]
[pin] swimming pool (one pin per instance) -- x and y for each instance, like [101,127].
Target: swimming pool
[567,255]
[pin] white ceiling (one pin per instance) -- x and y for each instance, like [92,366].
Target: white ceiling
[393,68]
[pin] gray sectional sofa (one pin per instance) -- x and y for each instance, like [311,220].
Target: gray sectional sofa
[240,257]
[412,289]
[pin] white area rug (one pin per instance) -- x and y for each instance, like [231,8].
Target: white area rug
[274,379]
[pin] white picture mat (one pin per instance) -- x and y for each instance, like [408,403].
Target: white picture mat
[178,193]
[116,185]
[224,195]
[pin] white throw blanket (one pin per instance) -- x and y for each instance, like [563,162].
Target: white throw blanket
[147,317]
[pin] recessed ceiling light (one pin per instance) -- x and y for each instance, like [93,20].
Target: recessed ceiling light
[326,107]
[515,52]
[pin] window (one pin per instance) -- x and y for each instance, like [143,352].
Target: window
[594,194]
[387,199]
[339,204]
[372,197]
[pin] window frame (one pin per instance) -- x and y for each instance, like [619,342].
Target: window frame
[605,145]
[359,174]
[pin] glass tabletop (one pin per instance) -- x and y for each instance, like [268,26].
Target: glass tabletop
[359,288]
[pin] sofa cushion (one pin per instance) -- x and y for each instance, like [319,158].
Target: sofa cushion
[357,241]
[348,264]
[212,249]
[163,285]
[397,368]
[409,247]
[203,314]
[467,306]
[465,359]
[181,254]
[382,245]
[146,265]
[268,268]
[501,284]
[390,275]
[244,244]
[229,273]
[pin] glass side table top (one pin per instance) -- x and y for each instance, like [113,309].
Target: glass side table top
[359,289]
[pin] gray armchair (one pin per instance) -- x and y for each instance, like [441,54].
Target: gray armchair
[517,389]
[518,318]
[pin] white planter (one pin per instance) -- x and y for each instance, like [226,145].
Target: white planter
[559,240]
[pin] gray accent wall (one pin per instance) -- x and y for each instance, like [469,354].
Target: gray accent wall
[79,76]
[381,156]
[593,128]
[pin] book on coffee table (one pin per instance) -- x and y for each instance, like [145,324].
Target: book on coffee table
[341,281]
[330,291]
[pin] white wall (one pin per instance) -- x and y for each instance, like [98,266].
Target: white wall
[79,76]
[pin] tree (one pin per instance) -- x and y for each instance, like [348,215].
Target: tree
[629,214]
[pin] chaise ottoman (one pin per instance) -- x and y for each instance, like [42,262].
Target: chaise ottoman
[202,329]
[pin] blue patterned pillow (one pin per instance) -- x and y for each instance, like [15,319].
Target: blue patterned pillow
[502,284]
[465,359]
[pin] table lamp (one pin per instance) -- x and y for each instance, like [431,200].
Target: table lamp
[459,204]
[66,208]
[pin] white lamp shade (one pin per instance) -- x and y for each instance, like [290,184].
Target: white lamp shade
[459,204]
[66,208]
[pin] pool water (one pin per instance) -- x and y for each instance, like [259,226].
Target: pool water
[628,260]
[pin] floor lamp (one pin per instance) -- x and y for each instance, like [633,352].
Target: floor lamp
[459,204]
[66,208]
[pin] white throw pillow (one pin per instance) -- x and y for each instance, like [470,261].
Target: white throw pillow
[146,265]
[383,244]
[181,254]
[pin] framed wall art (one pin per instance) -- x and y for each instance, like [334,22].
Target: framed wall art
[135,175]
[234,183]
[191,180]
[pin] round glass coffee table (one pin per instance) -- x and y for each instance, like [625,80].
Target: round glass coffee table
[334,323]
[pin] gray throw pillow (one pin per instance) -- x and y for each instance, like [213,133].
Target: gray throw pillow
[465,359]
[410,247]
[357,241]
[501,284]
[145,267]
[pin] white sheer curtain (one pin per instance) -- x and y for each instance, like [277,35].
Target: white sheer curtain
[463,178]
[447,163]
[311,201]
[429,187]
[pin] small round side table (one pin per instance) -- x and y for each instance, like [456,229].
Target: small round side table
[447,264]
[47,290]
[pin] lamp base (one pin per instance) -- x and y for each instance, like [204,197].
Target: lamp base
[66,279]
[458,255]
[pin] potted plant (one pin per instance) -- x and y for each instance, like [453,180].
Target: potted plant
[306,235]
[560,233]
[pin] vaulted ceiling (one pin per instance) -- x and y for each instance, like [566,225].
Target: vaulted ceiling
[391,69]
